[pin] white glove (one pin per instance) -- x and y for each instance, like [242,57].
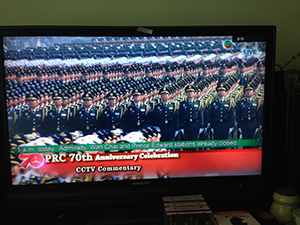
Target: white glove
[182,131]
[201,130]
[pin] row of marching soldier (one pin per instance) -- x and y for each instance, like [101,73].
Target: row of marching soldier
[187,102]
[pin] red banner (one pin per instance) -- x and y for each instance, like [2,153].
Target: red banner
[147,164]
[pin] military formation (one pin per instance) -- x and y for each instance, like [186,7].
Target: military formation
[141,90]
[215,97]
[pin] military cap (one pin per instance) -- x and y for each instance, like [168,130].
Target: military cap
[164,90]
[15,143]
[40,74]
[248,87]
[14,160]
[99,133]
[155,129]
[19,138]
[32,96]
[87,96]
[112,95]
[148,133]
[190,88]
[221,87]
[56,138]
[137,92]
[66,95]
[16,95]
[66,135]
[32,136]
[56,96]
[117,132]
[61,73]
[107,134]
[19,74]
[101,137]
[76,134]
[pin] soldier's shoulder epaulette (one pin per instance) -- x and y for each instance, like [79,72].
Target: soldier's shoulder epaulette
[81,109]
[243,99]
[256,98]
[158,104]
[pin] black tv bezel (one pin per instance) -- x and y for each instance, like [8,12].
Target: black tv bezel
[64,194]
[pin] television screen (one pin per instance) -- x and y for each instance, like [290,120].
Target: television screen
[105,105]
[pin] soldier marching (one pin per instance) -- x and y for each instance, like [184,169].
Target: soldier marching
[200,99]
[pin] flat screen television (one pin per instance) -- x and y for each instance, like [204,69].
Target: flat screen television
[98,115]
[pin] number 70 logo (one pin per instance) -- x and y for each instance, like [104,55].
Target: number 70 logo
[33,160]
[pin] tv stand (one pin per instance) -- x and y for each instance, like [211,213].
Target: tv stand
[148,211]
